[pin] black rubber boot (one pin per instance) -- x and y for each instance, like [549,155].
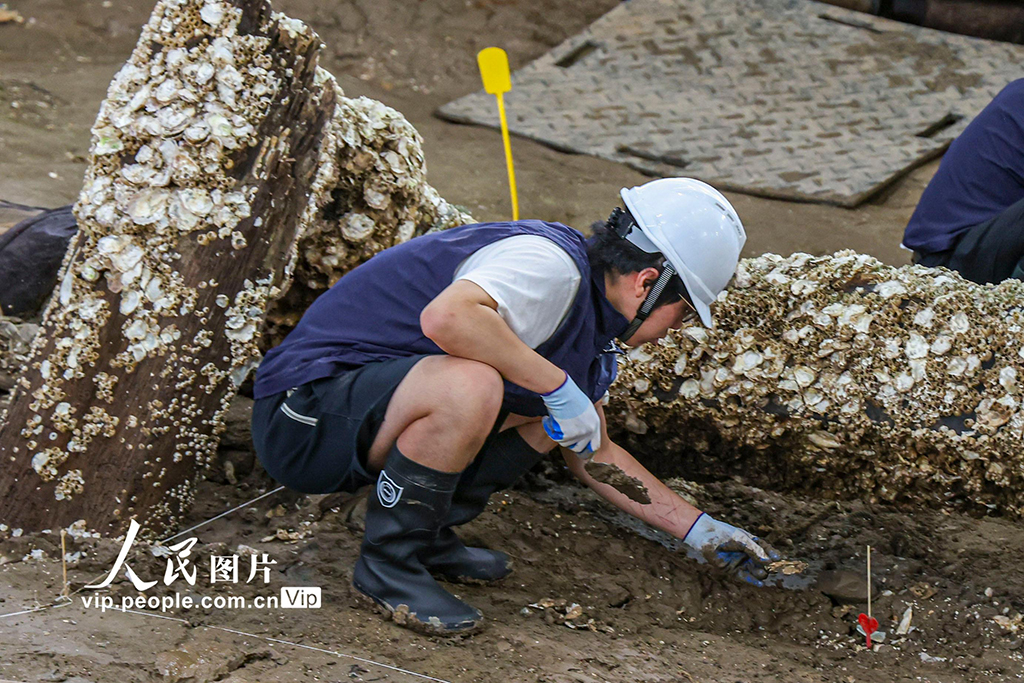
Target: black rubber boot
[403,517]
[500,463]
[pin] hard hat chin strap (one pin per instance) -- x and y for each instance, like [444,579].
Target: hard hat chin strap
[648,305]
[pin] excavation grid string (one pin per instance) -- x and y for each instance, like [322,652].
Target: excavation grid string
[64,601]
[223,514]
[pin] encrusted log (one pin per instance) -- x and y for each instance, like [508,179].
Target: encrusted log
[203,158]
[841,376]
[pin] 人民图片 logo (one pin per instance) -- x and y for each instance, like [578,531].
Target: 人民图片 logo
[181,565]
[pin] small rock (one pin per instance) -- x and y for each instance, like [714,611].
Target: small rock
[843,586]
[10,16]
[619,598]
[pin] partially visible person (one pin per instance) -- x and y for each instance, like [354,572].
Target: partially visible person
[971,216]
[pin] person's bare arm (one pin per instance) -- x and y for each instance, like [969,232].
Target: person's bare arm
[666,511]
[463,320]
[727,547]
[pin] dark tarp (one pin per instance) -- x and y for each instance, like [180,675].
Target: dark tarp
[30,256]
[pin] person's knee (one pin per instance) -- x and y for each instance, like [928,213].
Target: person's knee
[474,388]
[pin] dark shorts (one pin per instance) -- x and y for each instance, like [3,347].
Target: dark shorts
[989,252]
[316,438]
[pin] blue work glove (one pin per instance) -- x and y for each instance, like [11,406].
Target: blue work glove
[572,419]
[732,550]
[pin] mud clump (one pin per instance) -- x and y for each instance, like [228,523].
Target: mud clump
[609,474]
[432,627]
[843,585]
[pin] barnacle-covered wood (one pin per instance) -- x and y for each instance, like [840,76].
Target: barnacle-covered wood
[842,376]
[202,158]
[372,193]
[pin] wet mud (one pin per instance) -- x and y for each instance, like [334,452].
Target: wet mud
[607,473]
[589,599]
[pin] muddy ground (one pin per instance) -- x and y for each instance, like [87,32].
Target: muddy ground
[645,612]
[642,612]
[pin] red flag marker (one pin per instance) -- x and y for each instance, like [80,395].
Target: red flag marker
[868,624]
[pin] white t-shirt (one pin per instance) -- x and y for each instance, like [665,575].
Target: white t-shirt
[533,280]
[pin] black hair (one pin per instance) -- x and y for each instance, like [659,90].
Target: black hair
[609,252]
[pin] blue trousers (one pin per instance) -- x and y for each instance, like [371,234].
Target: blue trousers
[990,252]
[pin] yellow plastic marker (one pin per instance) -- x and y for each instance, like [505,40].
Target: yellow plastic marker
[494,70]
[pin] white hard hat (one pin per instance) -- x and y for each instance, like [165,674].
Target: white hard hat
[695,228]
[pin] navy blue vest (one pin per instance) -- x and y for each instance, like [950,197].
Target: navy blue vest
[372,314]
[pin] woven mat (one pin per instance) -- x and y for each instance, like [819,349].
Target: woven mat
[784,98]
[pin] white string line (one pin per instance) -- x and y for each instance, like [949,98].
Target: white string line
[59,601]
[284,642]
[223,514]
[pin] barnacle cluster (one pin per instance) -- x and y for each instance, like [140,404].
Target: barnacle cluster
[841,375]
[370,193]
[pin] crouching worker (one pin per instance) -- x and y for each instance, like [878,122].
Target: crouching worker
[443,368]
